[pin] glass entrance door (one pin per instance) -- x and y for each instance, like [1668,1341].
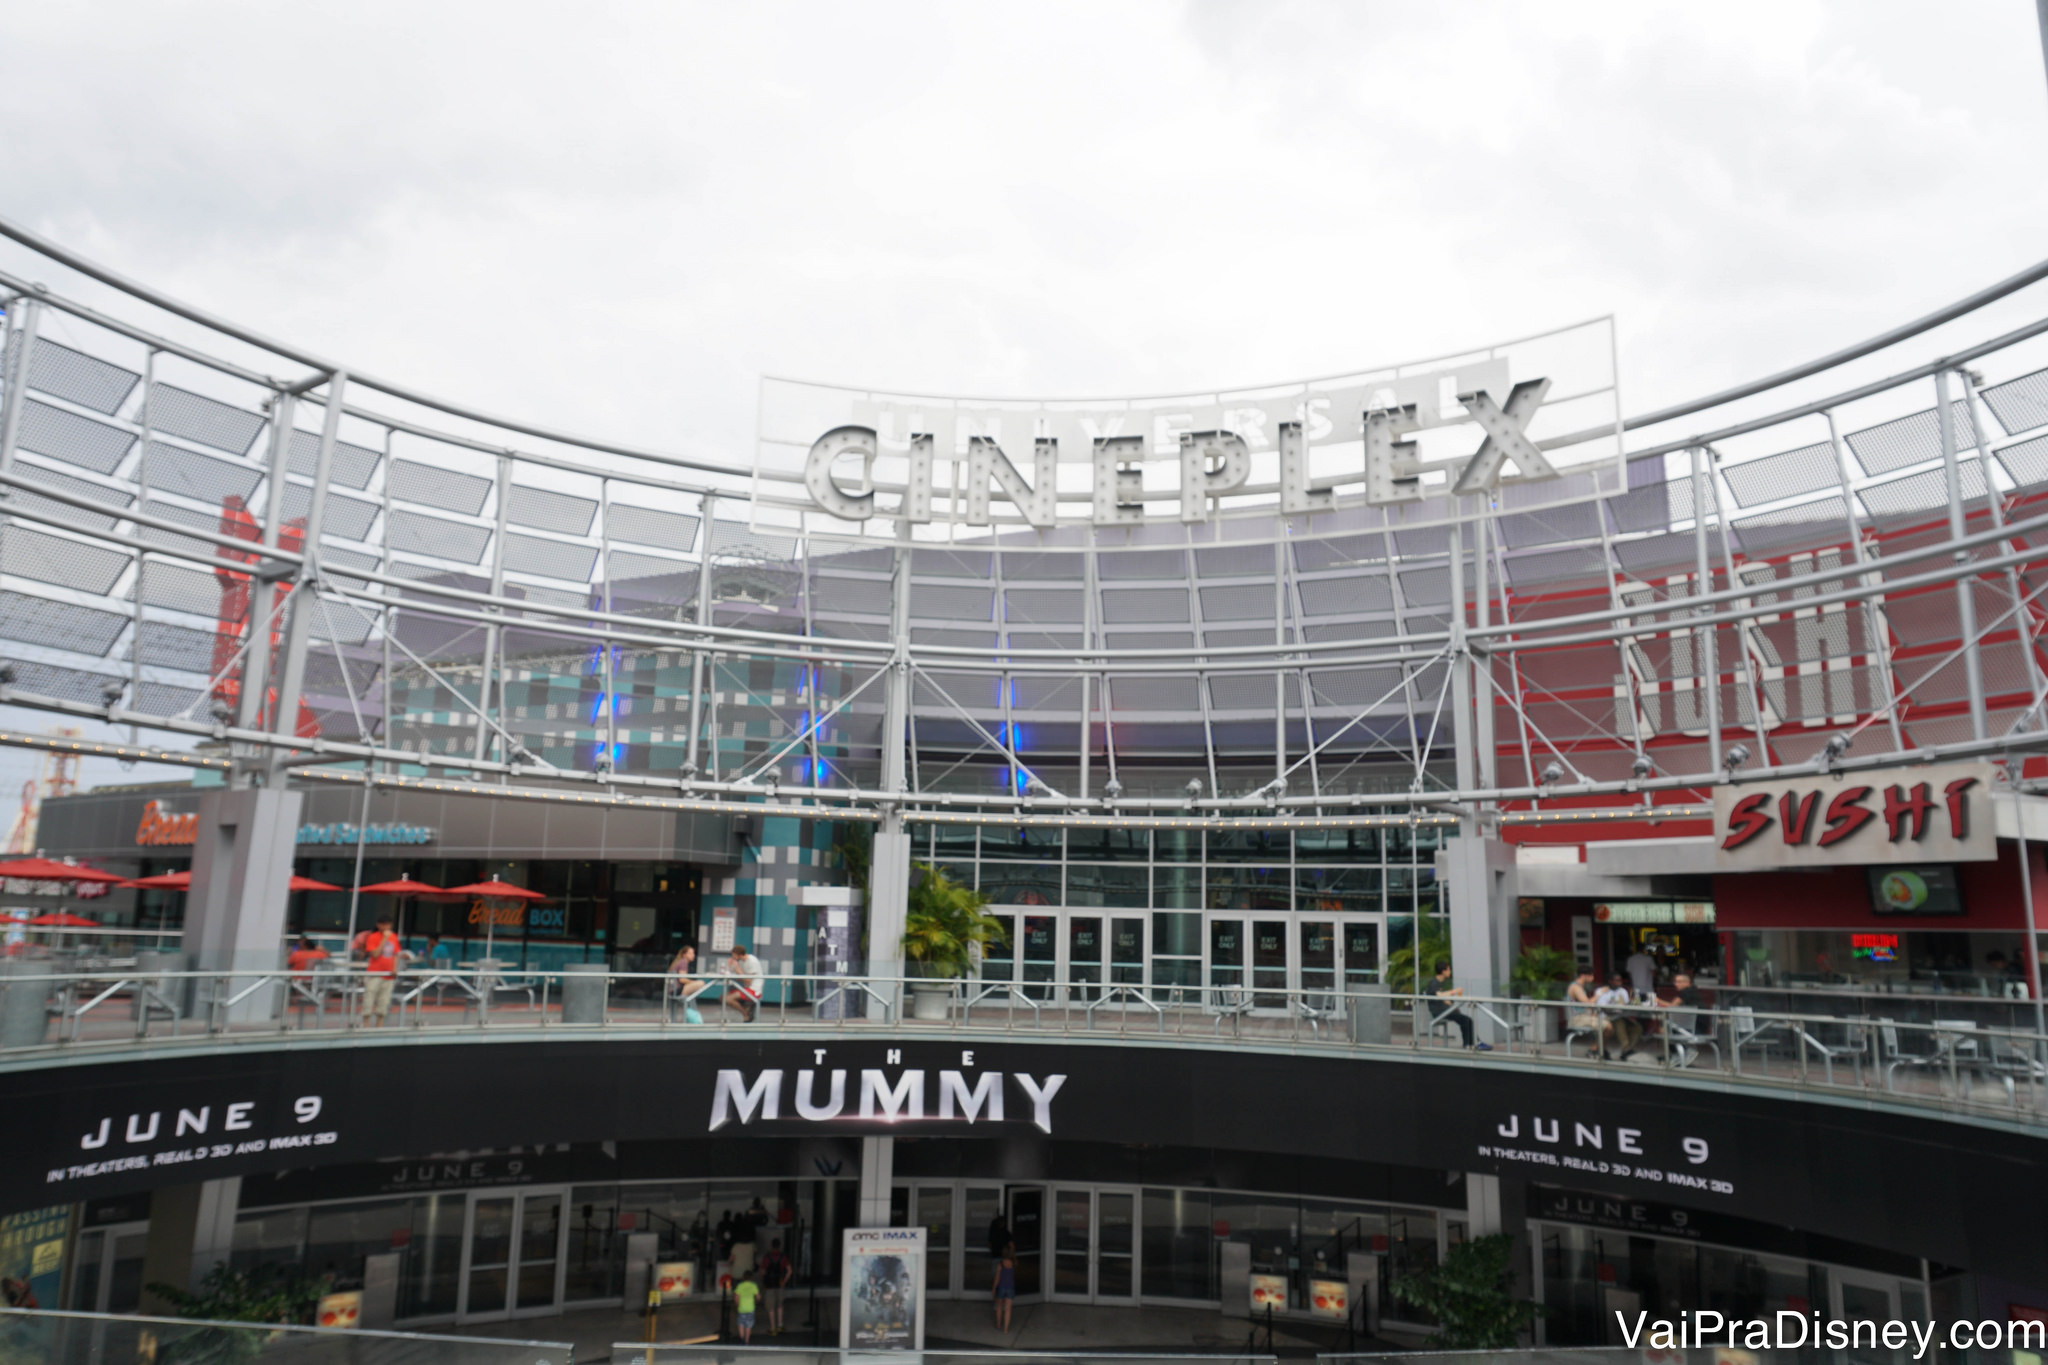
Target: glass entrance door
[108,1278]
[512,1258]
[1248,964]
[1039,952]
[1084,958]
[1360,939]
[1094,1246]
[1027,1232]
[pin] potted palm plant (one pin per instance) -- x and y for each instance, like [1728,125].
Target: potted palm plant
[944,921]
[1540,973]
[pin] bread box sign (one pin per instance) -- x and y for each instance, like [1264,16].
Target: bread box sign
[1923,813]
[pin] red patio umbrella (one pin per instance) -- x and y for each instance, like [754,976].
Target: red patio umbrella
[404,886]
[299,883]
[48,870]
[60,919]
[164,881]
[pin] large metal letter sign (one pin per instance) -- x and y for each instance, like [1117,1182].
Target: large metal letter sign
[818,472]
[1211,463]
[1119,479]
[1034,501]
[1504,437]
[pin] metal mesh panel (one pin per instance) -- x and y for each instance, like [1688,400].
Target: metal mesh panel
[1647,508]
[1240,602]
[650,526]
[1311,556]
[167,646]
[2019,404]
[1045,639]
[1365,592]
[735,540]
[1235,561]
[1579,521]
[190,516]
[80,378]
[71,516]
[325,677]
[1155,692]
[59,625]
[1225,638]
[1043,606]
[349,518]
[1373,688]
[174,469]
[73,439]
[335,557]
[1655,556]
[1250,692]
[951,563]
[560,597]
[1785,475]
[1427,540]
[1379,628]
[951,602]
[627,565]
[1149,639]
[449,489]
[1908,440]
[66,684]
[868,596]
[1020,566]
[1816,523]
[956,639]
[1584,563]
[1427,587]
[180,589]
[166,699]
[195,417]
[544,509]
[549,558]
[1045,692]
[352,467]
[2027,462]
[1922,492]
[1129,606]
[1142,564]
[341,622]
[29,553]
[419,534]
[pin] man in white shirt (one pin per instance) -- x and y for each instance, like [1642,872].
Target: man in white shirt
[1627,1031]
[747,978]
[1642,973]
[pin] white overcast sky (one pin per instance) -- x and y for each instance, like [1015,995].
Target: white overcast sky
[615,218]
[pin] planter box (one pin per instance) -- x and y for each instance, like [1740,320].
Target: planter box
[1545,1019]
[931,1000]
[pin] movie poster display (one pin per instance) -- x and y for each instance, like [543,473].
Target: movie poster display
[882,1305]
[32,1256]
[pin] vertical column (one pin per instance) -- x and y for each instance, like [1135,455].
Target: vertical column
[877,1176]
[255,682]
[889,867]
[492,633]
[1480,869]
[18,356]
[1708,660]
[141,556]
[292,666]
[697,669]
[191,1230]
[1966,591]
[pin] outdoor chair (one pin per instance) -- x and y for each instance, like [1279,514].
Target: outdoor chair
[1682,1034]
[1894,1055]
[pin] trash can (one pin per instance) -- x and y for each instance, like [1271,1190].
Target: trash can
[1372,1013]
[25,1006]
[583,991]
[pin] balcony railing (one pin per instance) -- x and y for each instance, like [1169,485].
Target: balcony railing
[1980,1055]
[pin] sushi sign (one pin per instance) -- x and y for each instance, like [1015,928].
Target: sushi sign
[1924,813]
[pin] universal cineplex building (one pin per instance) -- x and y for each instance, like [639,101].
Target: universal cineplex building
[1241,710]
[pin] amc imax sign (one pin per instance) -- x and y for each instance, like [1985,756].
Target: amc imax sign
[1927,813]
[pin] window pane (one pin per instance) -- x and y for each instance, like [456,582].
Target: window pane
[1112,886]
[1335,890]
[1249,846]
[1249,888]
[1179,1245]
[1108,845]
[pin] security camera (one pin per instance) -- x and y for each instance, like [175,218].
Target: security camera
[111,690]
[222,712]
[1642,767]
[6,675]
[689,771]
[1552,774]
[1735,758]
[1112,789]
[1838,745]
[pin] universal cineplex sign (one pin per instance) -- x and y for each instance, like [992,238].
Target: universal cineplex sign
[950,462]
[1924,813]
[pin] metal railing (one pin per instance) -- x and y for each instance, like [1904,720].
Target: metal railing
[641,1353]
[49,1337]
[1970,1059]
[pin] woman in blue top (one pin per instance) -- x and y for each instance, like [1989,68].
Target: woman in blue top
[1006,1286]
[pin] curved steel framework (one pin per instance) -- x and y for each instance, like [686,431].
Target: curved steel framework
[333,574]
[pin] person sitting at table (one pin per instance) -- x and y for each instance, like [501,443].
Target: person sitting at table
[302,958]
[1440,987]
[1580,1014]
[1627,1031]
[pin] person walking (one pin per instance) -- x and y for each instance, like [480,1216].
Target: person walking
[776,1273]
[745,1294]
[748,976]
[380,948]
[1006,1287]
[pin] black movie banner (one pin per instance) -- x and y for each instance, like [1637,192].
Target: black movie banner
[1922,1185]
